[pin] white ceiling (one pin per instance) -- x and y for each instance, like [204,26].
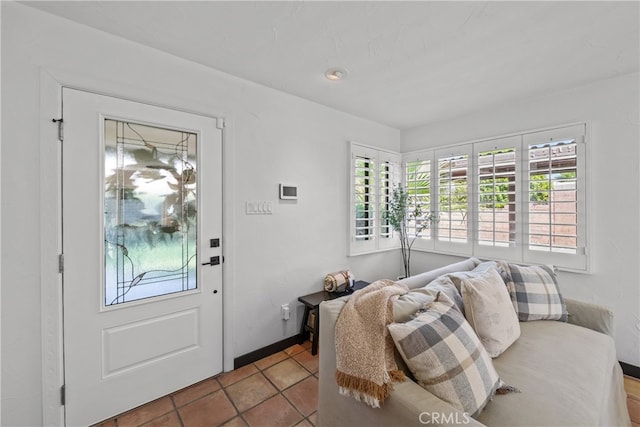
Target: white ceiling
[409,63]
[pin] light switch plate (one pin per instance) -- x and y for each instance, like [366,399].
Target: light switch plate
[259,208]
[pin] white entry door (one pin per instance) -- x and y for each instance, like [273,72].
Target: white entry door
[142,253]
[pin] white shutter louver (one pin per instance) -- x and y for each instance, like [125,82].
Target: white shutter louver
[418,185]
[553,207]
[386,181]
[364,189]
[374,173]
[496,198]
[555,192]
[452,198]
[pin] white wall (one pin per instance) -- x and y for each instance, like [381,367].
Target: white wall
[612,109]
[274,137]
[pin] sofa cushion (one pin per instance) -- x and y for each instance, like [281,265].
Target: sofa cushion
[489,311]
[446,357]
[406,306]
[534,292]
[458,276]
[567,376]
[445,285]
[422,279]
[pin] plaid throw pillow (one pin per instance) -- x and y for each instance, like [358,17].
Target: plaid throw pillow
[534,292]
[446,356]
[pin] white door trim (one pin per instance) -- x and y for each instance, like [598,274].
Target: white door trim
[51,84]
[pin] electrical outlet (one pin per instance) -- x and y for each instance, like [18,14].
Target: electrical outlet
[284,311]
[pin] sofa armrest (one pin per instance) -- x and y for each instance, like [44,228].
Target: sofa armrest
[591,316]
[408,405]
[416,406]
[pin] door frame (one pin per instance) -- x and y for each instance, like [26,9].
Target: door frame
[51,84]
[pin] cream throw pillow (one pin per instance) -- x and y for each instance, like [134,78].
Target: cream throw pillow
[480,269]
[489,311]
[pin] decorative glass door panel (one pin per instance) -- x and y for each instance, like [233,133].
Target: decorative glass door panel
[150,206]
[130,234]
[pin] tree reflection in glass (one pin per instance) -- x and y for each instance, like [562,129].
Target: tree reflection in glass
[150,207]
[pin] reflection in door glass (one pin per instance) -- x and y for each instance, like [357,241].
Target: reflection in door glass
[150,210]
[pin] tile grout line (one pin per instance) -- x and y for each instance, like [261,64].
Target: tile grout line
[241,415]
[175,409]
[311,374]
[280,392]
[224,390]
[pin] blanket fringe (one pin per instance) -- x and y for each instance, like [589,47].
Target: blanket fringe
[397,376]
[367,391]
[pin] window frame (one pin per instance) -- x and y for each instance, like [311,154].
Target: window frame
[489,251]
[580,260]
[451,245]
[425,241]
[377,240]
[519,251]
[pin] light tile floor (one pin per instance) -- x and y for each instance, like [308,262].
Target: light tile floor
[279,390]
[632,387]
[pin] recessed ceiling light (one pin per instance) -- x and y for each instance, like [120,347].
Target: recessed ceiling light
[336,73]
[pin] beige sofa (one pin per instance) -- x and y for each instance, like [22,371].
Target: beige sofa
[568,375]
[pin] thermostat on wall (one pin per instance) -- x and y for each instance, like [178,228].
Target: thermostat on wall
[288,192]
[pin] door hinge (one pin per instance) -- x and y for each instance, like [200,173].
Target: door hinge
[219,123]
[63,395]
[60,123]
[61,263]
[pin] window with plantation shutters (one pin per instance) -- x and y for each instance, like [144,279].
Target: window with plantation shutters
[386,179]
[553,204]
[417,179]
[452,198]
[556,197]
[364,197]
[374,172]
[519,198]
[452,203]
[496,196]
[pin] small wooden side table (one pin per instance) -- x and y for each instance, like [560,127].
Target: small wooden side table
[311,304]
